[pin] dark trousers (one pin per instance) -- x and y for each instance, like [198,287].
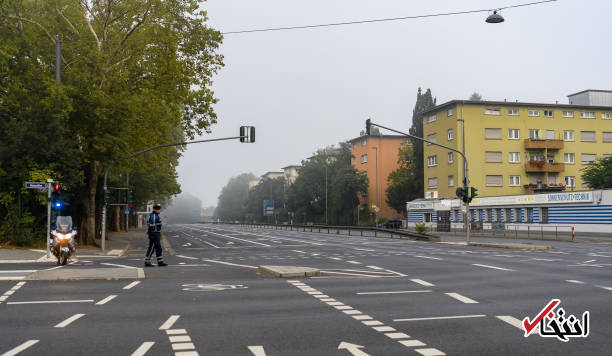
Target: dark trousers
[154,245]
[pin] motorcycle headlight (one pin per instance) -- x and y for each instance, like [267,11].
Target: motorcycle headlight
[63,236]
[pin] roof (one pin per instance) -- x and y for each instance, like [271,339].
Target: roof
[265,174]
[453,103]
[380,136]
[293,166]
[595,90]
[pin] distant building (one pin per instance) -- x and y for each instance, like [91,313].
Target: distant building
[253,183]
[591,97]
[367,150]
[272,175]
[291,173]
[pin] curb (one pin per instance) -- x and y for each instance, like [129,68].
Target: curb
[515,246]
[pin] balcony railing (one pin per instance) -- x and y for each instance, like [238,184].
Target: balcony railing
[540,188]
[538,144]
[543,166]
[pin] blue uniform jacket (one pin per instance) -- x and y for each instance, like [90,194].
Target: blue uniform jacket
[154,222]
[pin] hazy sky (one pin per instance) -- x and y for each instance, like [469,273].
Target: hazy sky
[305,89]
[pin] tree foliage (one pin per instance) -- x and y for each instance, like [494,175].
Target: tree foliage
[231,205]
[135,73]
[423,102]
[475,97]
[267,189]
[598,175]
[403,183]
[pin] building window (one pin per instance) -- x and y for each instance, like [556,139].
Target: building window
[533,113]
[450,157]
[493,157]
[493,134]
[548,113]
[515,157]
[451,181]
[568,114]
[494,181]
[570,181]
[587,115]
[587,136]
[432,161]
[432,118]
[607,136]
[515,181]
[433,138]
[450,134]
[364,158]
[449,112]
[513,112]
[606,115]
[353,160]
[534,134]
[432,182]
[568,135]
[364,142]
[550,134]
[492,111]
[514,134]
[588,158]
[568,158]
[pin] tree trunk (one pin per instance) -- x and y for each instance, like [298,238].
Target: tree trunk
[117,219]
[88,220]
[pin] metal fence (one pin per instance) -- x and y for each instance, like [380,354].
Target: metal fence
[513,231]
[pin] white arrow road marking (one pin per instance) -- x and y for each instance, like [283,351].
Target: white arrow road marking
[66,322]
[20,348]
[257,350]
[142,349]
[352,348]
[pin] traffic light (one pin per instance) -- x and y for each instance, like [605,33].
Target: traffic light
[368,126]
[130,196]
[252,135]
[55,196]
[473,193]
[242,133]
[247,134]
[462,193]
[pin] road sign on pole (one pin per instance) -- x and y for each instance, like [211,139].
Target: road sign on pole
[268,208]
[36,185]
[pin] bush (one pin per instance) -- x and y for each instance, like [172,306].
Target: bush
[421,228]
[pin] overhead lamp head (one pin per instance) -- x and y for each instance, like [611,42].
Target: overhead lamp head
[495,18]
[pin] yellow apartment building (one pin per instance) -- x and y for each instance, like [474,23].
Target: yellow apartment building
[515,147]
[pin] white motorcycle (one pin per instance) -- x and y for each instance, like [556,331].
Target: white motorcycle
[63,233]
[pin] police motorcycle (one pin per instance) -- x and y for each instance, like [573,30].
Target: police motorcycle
[63,233]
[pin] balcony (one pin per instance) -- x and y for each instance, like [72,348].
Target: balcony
[543,166]
[544,188]
[537,144]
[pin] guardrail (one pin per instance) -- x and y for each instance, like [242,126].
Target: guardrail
[515,231]
[343,230]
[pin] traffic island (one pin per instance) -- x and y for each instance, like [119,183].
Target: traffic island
[513,246]
[71,274]
[290,271]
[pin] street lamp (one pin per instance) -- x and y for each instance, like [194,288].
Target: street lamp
[377,208]
[495,18]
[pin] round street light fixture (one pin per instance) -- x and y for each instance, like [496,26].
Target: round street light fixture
[495,18]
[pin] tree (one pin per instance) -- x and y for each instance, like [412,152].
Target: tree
[476,97]
[598,175]
[404,183]
[135,73]
[267,189]
[231,205]
[424,102]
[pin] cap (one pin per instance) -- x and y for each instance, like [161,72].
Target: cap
[156,207]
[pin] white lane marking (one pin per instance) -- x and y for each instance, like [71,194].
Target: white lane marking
[363,249]
[210,244]
[354,262]
[512,321]
[411,343]
[429,257]
[54,301]
[168,323]
[20,271]
[336,258]
[237,238]
[298,251]
[3,298]
[142,349]
[176,331]
[395,292]
[180,338]
[422,282]
[257,350]
[67,322]
[352,312]
[284,238]
[565,253]
[443,317]
[229,264]
[462,298]
[343,307]
[321,296]
[430,352]
[589,261]
[334,303]
[116,265]
[187,257]
[375,267]
[397,335]
[16,278]
[492,267]
[131,285]
[183,346]
[606,288]
[20,348]
[372,323]
[383,328]
[21,283]
[106,300]
[362,317]
[574,281]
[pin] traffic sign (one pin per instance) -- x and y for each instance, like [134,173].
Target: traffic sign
[36,185]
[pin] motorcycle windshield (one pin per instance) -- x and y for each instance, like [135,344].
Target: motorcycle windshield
[63,224]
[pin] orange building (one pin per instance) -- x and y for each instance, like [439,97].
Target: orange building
[369,153]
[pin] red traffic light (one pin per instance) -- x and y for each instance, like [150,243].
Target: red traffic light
[131,205]
[56,187]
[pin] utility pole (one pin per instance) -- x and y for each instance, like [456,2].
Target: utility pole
[49,187]
[376,167]
[326,191]
[58,61]
[466,182]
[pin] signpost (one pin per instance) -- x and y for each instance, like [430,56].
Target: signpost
[268,208]
[44,187]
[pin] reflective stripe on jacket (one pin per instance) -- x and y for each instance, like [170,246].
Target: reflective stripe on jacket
[154,223]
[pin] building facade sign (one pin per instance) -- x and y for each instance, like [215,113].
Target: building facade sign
[422,205]
[543,199]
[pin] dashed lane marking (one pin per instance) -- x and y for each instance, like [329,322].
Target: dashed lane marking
[131,285]
[187,257]
[397,335]
[513,321]
[430,352]
[574,281]
[443,317]
[142,349]
[176,331]
[429,257]
[239,239]
[375,267]
[606,288]
[422,282]
[257,350]
[68,321]
[106,300]
[11,291]
[116,265]
[354,262]
[462,298]
[395,292]
[168,323]
[53,301]
[20,348]
[492,267]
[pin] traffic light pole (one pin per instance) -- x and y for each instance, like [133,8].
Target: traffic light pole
[103,243]
[49,188]
[466,180]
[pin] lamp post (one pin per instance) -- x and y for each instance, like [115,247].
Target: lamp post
[377,208]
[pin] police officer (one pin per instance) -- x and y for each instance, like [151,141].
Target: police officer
[154,232]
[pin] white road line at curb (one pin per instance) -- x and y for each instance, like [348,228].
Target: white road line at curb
[54,301]
[20,348]
[443,317]
[142,349]
[492,267]
[168,323]
[106,300]
[375,267]
[131,285]
[67,322]
[422,282]
[229,264]
[429,257]
[396,292]
[574,281]
[462,298]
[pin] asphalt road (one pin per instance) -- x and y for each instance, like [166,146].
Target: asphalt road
[389,297]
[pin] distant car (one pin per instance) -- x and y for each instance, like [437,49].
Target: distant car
[391,224]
